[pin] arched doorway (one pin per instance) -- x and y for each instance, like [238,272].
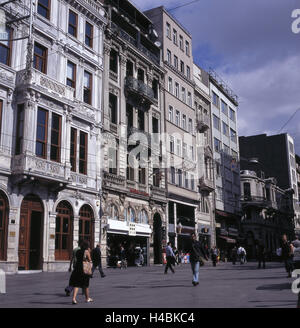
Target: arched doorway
[64,232]
[157,239]
[86,224]
[4,209]
[31,233]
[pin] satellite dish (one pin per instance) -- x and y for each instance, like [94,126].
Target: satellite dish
[158,44]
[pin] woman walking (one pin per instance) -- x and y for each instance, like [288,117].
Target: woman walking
[78,278]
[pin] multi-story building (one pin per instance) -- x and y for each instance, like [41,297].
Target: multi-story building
[205,163]
[298,180]
[51,99]
[134,196]
[179,125]
[226,158]
[267,213]
[275,156]
[185,106]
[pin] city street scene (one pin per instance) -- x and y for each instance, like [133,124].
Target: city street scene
[149,154]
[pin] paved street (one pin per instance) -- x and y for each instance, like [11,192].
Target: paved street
[224,286]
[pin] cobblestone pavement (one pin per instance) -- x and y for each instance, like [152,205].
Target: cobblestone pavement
[229,286]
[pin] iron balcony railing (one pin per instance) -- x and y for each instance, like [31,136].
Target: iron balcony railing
[140,88]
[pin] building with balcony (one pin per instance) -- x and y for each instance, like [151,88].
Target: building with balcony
[276,158]
[186,117]
[226,163]
[134,195]
[51,120]
[267,213]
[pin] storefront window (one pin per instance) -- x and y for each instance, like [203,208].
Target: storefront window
[143,217]
[129,215]
[114,212]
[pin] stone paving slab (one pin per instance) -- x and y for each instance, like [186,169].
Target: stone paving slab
[224,286]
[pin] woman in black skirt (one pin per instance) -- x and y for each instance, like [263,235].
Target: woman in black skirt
[78,278]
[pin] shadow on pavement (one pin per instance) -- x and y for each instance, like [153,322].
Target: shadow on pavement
[287,285]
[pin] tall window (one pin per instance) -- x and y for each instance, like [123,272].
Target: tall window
[114,213]
[55,138]
[171,144]
[189,99]
[176,62]
[170,85]
[129,115]
[20,129]
[130,169]
[113,61]
[63,231]
[73,150]
[175,36]
[232,114]
[216,122]
[184,150]
[6,48]
[247,189]
[83,153]
[143,217]
[71,75]
[169,55]
[225,129]
[217,144]
[40,58]
[182,67]
[113,107]
[173,175]
[41,133]
[176,89]
[44,7]
[156,177]
[142,175]
[89,32]
[184,122]
[187,48]
[177,118]
[87,88]
[168,30]
[171,113]
[183,94]
[188,72]
[141,120]
[224,108]
[178,147]
[190,126]
[73,23]
[215,99]
[181,42]
[113,158]
[186,180]
[179,177]
[233,135]
[86,224]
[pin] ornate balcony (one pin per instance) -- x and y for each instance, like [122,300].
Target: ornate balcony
[113,180]
[203,123]
[140,91]
[255,201]
[158,192]
[44,83]
[206,185]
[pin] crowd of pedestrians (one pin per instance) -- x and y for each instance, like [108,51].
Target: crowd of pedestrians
[85,261]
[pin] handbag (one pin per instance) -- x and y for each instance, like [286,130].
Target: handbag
[87,266]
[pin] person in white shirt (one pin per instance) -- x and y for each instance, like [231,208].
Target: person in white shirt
[170,258]
[242,254]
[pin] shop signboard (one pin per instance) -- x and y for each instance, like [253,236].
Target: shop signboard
[132,230]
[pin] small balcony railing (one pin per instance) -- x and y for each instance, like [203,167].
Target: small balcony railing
[203,123]
[140,89]
[206,184]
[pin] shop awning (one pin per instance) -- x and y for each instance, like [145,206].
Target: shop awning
[229,240]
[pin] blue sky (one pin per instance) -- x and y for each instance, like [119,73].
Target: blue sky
[249,43]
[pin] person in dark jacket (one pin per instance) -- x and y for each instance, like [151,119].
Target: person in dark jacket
[287,255]
[197,252]
[96,258]
[234,255]
[261,254]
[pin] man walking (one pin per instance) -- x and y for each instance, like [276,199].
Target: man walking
[196,253]
[261,254]
[96,258]
[287,255]
[170,258]
[234,255]
[214,255]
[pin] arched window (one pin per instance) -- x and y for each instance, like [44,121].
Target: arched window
[143,217]
[129,214]
[86,224]
[3,225]
[114,213]
[64,231]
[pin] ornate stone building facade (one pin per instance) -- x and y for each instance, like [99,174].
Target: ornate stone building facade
[51,120]
[134,197]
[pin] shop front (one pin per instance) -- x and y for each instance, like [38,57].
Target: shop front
[134,237]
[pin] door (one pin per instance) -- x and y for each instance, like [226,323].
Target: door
[31,234]
[157,239]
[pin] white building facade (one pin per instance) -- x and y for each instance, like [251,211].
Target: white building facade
[51,100]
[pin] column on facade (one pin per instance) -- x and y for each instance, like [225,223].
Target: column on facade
[175,224]
[29,126]
[75,230]
[13,234]
[51,236]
